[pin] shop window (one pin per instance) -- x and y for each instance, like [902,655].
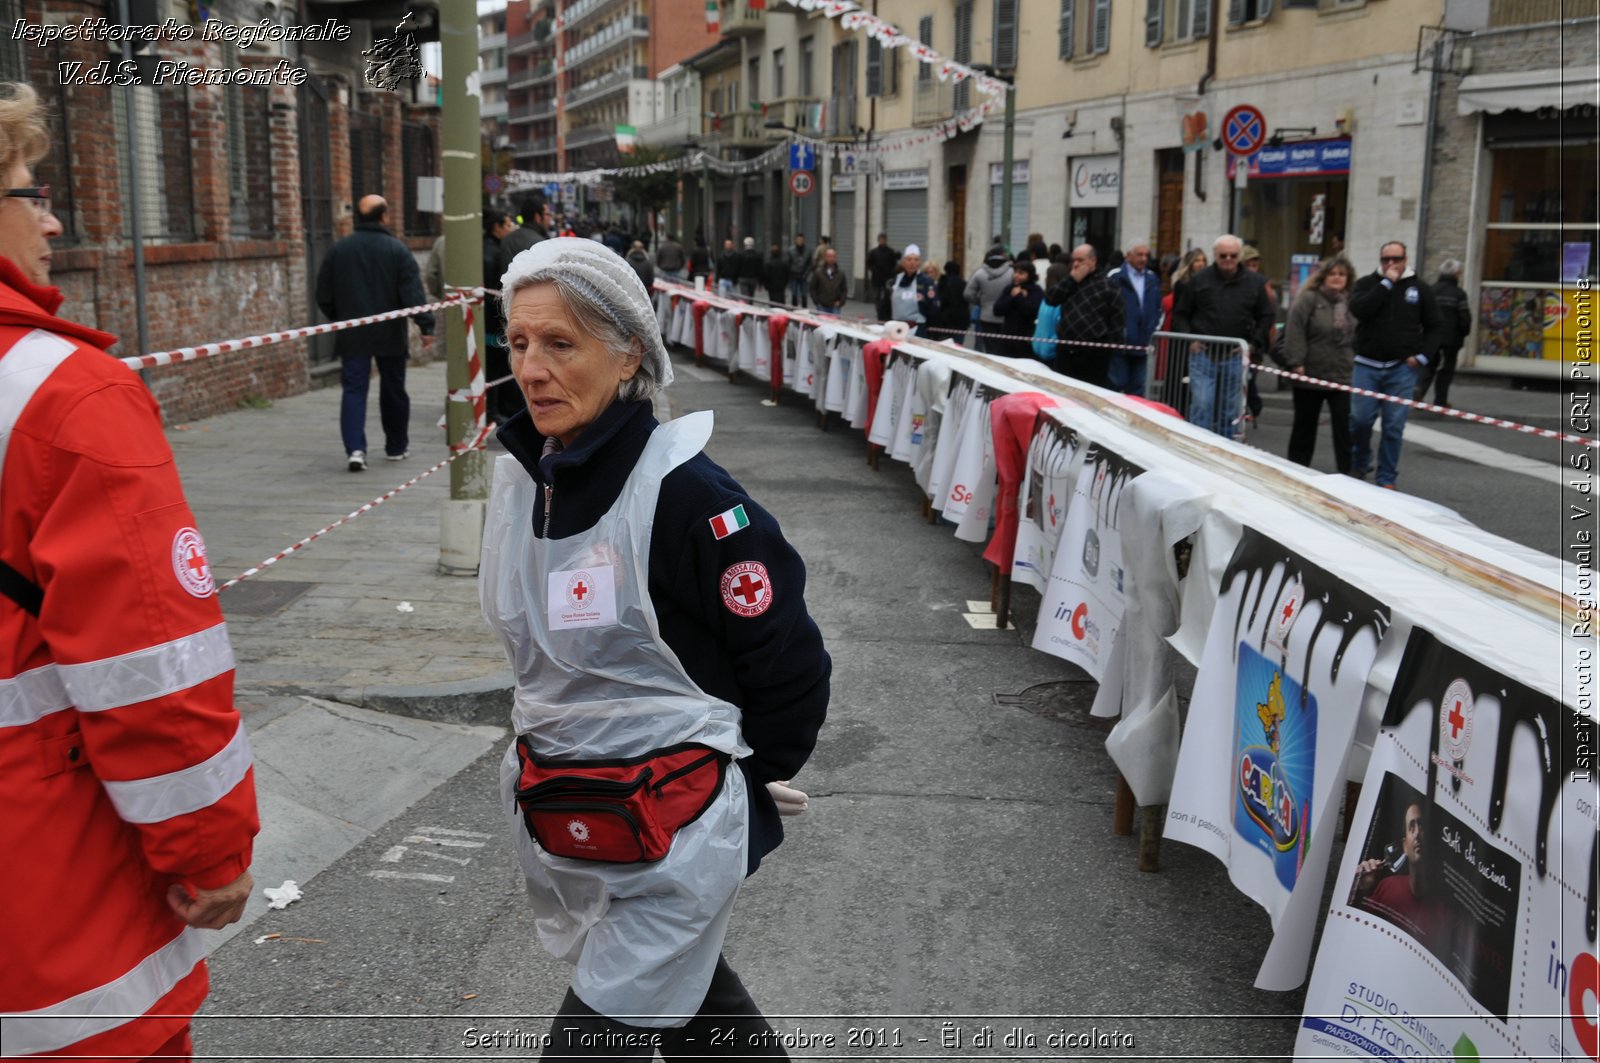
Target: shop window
[1540,242]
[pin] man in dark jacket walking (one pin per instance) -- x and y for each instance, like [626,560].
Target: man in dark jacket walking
[728,261]
[1455,325]
[1141,300]
[1397,333]
[1091,312]
[752,267]
[535,228]
[829,286]
[799,271]
[370,272]
[883,262]
[1227,301]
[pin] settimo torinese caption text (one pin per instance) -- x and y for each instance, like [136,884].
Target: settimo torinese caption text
[173,71]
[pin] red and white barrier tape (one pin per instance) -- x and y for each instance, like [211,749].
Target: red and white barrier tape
[1043,339]
[476,444]
[1448,411]
[208,350]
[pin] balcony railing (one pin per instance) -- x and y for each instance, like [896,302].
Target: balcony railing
[623,30]
[583,136]
[496,109]
[533,147]
[574,16]
[741,17]
[492,76]
[532,76]
[526,117]
[805,114]
[934,102]
[606,84]
[744,129]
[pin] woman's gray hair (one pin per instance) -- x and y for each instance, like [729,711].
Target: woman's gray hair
[1450,267]
[590,314]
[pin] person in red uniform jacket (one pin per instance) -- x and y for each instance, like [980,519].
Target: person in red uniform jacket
[125,772]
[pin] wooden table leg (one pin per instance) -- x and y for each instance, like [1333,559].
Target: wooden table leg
[1150,827]
[1122,814]
[1352,794]
[1003,614]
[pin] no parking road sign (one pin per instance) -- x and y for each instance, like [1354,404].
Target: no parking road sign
[1244,130]
[802,182]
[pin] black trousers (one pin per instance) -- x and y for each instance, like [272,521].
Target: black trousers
[729,1026]
[1440,371]
[1307,412]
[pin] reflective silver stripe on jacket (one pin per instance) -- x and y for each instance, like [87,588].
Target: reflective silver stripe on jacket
[160,797]
[31,696]
[149,673]
[105,1007]
[26,366]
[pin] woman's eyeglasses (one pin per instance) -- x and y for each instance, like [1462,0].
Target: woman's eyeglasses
[38,197]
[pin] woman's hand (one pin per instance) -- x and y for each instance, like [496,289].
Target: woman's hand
[791,802]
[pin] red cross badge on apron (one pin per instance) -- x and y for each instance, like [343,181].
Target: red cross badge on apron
[189,563]
[747,589]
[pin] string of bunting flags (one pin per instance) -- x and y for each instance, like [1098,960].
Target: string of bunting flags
[851,17]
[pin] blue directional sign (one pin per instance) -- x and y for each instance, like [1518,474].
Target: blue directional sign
[802,157]
[1244,130]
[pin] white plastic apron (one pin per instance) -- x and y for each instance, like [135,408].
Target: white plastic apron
[596,681]
[903,302]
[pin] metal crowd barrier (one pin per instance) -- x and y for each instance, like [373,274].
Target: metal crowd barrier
[1203,377]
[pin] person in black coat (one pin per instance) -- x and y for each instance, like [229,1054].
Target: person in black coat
[1093,319]
[777,274]
[1455,325]
[370,272]
[1018,307]
[699,259]
[1397,333]
[953,313]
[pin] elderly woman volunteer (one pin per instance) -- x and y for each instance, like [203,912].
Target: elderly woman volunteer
[655,618]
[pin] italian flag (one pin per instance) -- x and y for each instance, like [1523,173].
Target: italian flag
[713,17]
[725,524]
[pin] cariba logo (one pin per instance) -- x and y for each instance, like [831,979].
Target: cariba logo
[1268,798]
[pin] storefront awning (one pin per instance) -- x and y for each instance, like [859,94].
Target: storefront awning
[1529,90]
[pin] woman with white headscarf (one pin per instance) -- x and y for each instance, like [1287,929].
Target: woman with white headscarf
[655,619]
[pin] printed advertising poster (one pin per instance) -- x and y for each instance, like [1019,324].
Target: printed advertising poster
[1052,456]
[1082,604]
[1463,917]
[1261,767]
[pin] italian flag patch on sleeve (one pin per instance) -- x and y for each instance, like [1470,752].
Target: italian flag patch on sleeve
[725,524]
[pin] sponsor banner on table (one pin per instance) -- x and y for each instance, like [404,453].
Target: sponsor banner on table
[1054,455]
[1082,604]
[1463,917]
[1273,713]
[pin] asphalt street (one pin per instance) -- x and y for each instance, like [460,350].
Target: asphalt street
[956,883]
[957,864]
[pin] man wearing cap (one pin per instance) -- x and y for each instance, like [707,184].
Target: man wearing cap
[675,610]
[370,272]
[912,295]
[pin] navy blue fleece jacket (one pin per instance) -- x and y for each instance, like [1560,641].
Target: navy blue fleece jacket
[773,665]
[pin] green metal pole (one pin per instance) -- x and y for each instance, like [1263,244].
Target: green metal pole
[461,525]
[1006,164]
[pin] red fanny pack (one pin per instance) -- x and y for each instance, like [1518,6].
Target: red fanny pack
[617,811]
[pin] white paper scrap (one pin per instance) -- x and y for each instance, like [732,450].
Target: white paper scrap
[406,607]
[284,895]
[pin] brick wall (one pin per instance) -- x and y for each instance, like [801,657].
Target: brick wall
[217,287]
[677,30]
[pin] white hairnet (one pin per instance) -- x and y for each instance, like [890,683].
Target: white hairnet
[601,278]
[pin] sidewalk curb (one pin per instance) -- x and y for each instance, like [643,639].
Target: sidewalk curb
[482,701]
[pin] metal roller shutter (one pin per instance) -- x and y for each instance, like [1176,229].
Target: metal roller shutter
[905,218]
[1019,215]
[844,230]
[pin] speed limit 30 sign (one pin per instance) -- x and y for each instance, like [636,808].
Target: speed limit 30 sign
[802,182]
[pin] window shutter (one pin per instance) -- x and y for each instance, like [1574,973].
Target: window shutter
[1069,25]
[1153,10]
[1005,34]
[925,36]
[874,67]
[963,90]
[1102,27]
[1202,18]
[1263,9]
[1236,12]
[891,71]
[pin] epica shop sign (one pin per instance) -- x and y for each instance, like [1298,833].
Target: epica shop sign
[1096,180]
